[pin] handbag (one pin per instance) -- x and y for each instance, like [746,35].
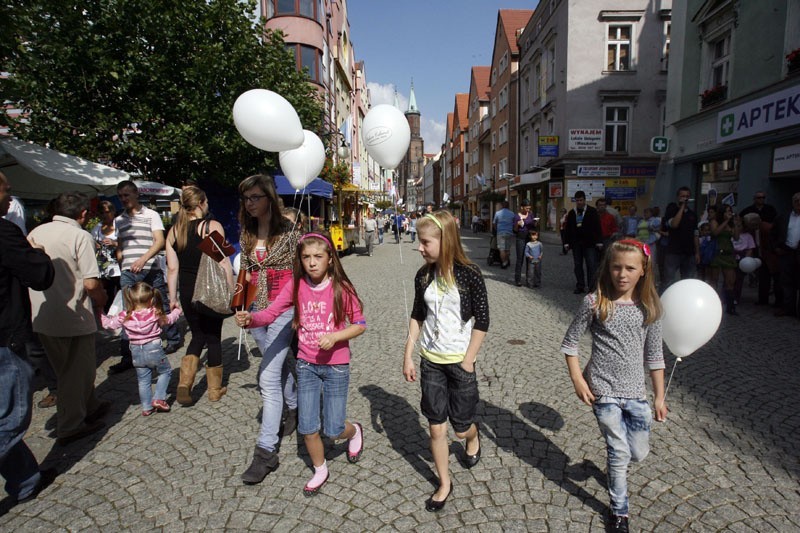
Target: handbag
[212,294]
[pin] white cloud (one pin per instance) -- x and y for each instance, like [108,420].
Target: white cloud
[432,133]
[384,94]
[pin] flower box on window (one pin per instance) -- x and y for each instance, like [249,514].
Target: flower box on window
[713,95]
[793,61]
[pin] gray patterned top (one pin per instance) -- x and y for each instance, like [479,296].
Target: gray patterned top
[621,347]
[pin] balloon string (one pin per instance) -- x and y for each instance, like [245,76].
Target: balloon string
[669,382]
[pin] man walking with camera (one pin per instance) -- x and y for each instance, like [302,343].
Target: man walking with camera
[683,248]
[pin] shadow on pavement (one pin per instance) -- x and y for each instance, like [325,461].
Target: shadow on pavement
[393,415]
[511,433]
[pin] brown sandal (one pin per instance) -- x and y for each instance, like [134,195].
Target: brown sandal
[47,401]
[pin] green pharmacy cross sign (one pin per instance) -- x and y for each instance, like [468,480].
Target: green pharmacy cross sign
[659,145]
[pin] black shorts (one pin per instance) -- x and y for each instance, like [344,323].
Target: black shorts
[448,392]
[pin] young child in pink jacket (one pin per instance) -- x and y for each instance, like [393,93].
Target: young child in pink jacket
[142,321]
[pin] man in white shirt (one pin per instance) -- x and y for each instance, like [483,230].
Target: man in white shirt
[141,237]
[786,239]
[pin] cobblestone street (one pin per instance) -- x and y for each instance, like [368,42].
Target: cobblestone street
[725,460]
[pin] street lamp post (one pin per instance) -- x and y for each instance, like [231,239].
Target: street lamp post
[507,175]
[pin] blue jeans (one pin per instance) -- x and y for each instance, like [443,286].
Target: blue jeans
[275,381]
[330,380]
[625,425]
[520,258]
[146,358]
[155,278]
[17,464]
[685,263]
[590,257]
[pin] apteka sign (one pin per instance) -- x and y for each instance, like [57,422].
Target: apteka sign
[775,111]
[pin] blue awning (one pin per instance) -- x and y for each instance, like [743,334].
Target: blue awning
[317,187]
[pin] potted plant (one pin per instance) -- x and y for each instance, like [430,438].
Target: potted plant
[713,95]
[793,61]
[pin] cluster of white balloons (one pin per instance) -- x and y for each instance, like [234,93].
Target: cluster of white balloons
[268,121]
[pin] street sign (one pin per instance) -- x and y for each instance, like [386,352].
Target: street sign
[659,145]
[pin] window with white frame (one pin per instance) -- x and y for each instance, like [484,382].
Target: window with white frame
[616,126]
[665,50]
[619,46]
[502,98]
[551,125]
[494,140]
[494,173]
[551,71]
[503,167]
[494,106]
[720,60]
[503,62]
[537,81]
[504,133]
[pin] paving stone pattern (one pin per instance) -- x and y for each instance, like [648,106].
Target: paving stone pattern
[726,459]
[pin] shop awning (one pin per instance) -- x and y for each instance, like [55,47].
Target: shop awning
[318,187]
[38,173]
[532,178]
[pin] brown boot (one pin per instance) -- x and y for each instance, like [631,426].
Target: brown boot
[188,370]
[214,378]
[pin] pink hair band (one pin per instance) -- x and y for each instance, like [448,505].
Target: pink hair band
[319,236]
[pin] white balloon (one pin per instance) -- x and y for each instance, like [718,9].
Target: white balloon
[692,313]
[237,262]
[749,264]
[386,135]
[267,120]
[304,163]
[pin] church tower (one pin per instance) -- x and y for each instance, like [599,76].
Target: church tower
[413,165]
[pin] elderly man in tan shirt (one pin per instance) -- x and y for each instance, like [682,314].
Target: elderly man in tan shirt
[64,316]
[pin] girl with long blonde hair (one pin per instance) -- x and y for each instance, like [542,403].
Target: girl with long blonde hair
[450,318]
[623,316]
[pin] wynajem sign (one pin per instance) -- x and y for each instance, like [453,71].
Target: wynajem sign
[775,111]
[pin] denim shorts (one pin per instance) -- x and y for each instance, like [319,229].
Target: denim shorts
[448,392]
[331,381]
[504,241]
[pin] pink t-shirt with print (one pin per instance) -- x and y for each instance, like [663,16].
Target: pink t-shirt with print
[316,320]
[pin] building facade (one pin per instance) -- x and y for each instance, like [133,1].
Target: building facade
[478,148]
[734,102]
[503,110]
[592,95]
[410,170]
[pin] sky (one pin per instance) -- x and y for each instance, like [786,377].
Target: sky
[435,42]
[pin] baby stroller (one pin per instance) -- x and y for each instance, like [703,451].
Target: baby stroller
[494,252]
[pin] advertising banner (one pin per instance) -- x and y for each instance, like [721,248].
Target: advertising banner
[586,140]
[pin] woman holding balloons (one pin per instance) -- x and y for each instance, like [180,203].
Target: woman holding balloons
[268,242]
[724,230]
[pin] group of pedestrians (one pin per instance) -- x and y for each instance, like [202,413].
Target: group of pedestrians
[685,245]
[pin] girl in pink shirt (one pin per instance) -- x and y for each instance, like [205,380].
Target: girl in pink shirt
[142,322]
[327,314]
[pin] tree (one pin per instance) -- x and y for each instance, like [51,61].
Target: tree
[338,175]
[147,85]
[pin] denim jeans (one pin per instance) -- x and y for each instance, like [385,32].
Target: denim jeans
[625,425]
[155,278]
[18,466]
[275,381]
[448,392]
[330,380]
[146,358]
[588,255]
[520,258]
[685,263]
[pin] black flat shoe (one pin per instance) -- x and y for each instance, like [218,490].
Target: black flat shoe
[472,460]
[433,506]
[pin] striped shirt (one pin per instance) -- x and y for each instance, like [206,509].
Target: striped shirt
[135,233]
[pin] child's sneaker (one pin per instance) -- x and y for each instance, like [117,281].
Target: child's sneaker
[148,412]
[161,406]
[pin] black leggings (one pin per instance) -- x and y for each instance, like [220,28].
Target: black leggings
[206,332]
